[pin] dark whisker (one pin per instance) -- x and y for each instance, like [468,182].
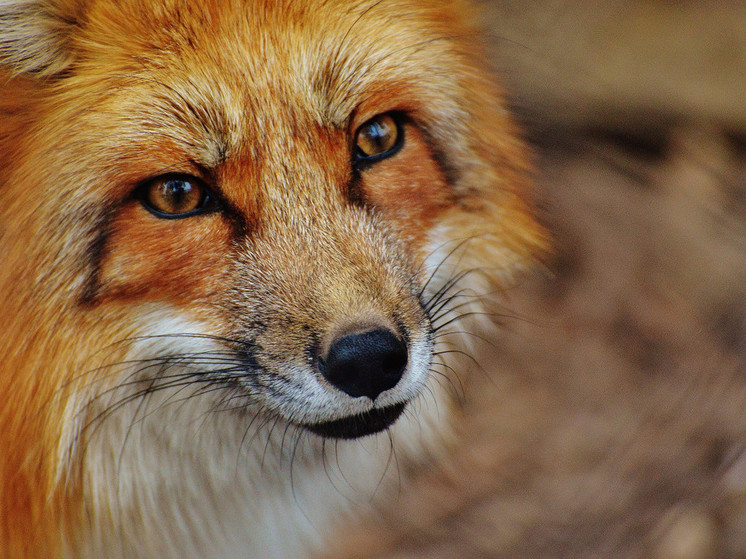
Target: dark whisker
[244,443]
[457,352]
[459,391]
[275,421]
[446,308]
[446,288]
[444,337]
[461,317]
[389,459]
[442,262]
[298,437]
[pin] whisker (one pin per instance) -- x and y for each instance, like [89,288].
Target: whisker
[458,391]
[445,308]
[389,459]
[442,262]
[244,443]
[457,352]
[275,421]
[298,437]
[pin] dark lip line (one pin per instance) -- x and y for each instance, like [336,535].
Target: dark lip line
[360,425]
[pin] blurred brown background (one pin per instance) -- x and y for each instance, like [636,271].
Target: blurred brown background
[616,62]
[612,420]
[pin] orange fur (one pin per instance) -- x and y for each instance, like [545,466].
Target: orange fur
[261,98]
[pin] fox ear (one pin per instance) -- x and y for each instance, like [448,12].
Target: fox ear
[35,35]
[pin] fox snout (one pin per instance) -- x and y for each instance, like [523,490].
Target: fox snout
[341,341]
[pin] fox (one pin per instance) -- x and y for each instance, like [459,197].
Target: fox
[246,247]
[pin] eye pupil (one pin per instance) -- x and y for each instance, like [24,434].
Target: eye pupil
[377,137]
[174,196]
[178,193]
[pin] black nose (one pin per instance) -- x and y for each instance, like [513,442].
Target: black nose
[365,364]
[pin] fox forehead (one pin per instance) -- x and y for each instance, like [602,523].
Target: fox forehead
[232,66]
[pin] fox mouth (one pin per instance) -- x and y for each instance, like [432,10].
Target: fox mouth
[359,425]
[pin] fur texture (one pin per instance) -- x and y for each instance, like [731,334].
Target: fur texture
[159,374]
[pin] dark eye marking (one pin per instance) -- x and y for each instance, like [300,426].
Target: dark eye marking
[176,196]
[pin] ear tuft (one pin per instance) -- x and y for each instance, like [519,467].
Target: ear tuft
[34,35]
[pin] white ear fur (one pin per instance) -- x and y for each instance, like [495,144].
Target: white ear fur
[34,36]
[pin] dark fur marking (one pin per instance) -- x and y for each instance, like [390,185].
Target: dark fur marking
[355,192]
[247,355]
[96,252]
[450,172]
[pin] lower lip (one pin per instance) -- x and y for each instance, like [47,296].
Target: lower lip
[360,425]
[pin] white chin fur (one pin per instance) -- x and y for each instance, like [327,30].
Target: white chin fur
[169,475]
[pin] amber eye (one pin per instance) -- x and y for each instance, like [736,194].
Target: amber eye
[378,138]
[173,196]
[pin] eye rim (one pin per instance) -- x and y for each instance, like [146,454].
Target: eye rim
[207,203]
[360,159]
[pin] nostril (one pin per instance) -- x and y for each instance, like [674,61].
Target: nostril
[365,364]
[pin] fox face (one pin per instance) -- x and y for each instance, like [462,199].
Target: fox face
[234,231]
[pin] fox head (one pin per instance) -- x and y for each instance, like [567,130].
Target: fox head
[221,218]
